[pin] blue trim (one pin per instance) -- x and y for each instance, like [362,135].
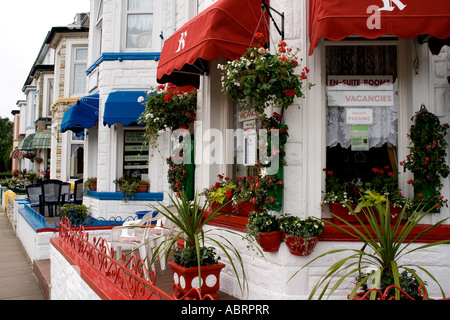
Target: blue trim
[140,196]
[120,56]
[34,218]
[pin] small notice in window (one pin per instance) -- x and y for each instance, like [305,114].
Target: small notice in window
[360,138]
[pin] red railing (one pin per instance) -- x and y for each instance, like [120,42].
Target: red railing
[130,276]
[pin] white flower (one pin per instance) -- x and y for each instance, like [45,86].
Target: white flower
[140,99]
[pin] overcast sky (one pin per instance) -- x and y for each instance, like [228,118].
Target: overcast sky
[23,28]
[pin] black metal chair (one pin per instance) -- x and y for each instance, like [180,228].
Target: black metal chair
[51,195]
[34,195]
[78,192]
[65,192]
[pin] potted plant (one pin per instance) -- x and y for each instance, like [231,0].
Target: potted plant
[383,244]
[168,108]
[77,214]
[407,283]
[427,158]
[300,235]
[143,186]
[259,79]
[129,186]
[188,220]
[221,194]
[265,228]
[90,184]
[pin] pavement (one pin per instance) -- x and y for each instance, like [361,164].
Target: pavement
[17,279]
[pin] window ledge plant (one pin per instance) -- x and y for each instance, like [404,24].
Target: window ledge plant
[383,245]
[129,186]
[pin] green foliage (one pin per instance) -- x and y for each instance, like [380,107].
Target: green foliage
[187,221]
[427,158]
[384,244]
[297,227]
[128,187]
[165,109]
[259,78]
[188,257]
[261,222]
[80,212]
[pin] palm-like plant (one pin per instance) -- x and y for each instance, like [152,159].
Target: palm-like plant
[388,243]
[189,218]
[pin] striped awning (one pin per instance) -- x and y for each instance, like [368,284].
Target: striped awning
[27,142]
[15,154]
[41,140]
[37,140]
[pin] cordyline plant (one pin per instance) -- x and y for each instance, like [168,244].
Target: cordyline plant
[189,219]
[383,246]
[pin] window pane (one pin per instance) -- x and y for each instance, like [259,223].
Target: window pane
[139,31]
[81,54]
[79,78]
[140,5]
[76,160]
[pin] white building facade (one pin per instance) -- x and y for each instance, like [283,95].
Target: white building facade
[125,43]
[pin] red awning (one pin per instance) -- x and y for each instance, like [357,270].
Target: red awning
[225,29]
[337,19]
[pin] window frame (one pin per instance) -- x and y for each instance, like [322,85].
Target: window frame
[153,38]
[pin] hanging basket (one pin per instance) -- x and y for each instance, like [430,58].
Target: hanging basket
[269,241]
[300,246]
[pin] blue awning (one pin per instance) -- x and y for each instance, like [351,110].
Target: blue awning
[124,107]
[81,115]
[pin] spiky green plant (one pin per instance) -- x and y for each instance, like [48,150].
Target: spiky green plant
[387,243]
[189,219]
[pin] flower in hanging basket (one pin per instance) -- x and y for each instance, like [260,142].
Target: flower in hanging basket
[176,175]
[259,78]
[167,109]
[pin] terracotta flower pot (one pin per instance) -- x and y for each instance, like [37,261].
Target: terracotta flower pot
[244,208]
[227,208]
[187,278]
[142,188]
[269,241]
[300,246]
[344,213]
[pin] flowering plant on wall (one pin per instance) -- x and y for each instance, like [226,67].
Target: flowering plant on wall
[222,191]
[167,108]
[427,157]
[259,78]
[176,176]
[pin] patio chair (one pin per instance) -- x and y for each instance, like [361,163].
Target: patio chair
[77,192]
[65,192]
[136,235]
[34,195]
[51,195]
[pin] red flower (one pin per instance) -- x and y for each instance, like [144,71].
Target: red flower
[303,76]
[239,179]
[306,69]
[290,93]
[217,185]
[228,194]
[220,176]
[420,195]
[272,199]
[167,98]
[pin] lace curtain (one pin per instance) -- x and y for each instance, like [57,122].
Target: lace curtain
[362,60]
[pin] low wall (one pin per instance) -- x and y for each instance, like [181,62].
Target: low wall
[67,283]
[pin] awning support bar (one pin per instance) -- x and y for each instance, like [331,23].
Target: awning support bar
[265,6]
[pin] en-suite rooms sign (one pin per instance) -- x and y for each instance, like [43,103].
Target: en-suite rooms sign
[360,91]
